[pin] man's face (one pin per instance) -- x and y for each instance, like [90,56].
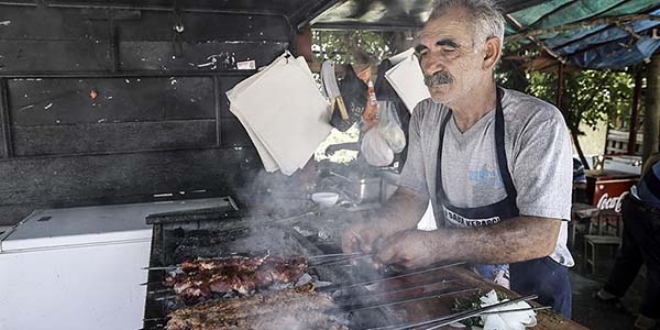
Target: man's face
[448,58]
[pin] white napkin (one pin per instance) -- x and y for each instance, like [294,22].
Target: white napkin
[266,158]
[284,113]
[407,79]
[507,321]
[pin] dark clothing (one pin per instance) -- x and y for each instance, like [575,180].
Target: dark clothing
[554,288]
[543,277]
[640,245]
[648,189]
[579,178]
[578,172]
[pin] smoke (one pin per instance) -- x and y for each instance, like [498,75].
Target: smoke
[273,196]
[438,78]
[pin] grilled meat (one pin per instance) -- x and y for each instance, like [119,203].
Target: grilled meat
[284,320]
[248,264]
[299,308]
[200,278]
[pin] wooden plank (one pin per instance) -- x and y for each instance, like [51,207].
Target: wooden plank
[204,27]
[166,55]
[102,138]
[68,101]
[5,135]
[233,134]
[84,24]
[55,56]
[125,177]
[32,23]
[651,114]
[81,40]
[39,56]
[437,307]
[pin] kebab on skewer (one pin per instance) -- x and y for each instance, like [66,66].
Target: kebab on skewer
[201,278]
[294,308]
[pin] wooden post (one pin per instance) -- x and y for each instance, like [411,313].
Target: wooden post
[560,85]
[652,114]
[634,111]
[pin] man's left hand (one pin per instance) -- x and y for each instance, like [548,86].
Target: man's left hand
[410,249]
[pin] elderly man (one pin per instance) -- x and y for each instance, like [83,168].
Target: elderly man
[495,163]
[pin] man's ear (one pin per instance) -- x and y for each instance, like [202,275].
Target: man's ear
[492,52]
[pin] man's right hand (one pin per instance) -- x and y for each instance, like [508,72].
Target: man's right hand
[400,213]
[363,236]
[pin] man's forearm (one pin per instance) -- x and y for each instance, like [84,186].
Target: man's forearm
[402,211]
[513,240]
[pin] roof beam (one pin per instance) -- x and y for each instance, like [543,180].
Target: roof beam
[518,26]
[585,23]
[586,36]
[595,32]
[306,13]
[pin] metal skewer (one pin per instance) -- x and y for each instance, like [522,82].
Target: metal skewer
[336,287]
[340,260]
[518,310]
[165,298]
[403,288]
[429,295]
[456,317]
[161,268]
[259,254]
[159,291]
[338,255]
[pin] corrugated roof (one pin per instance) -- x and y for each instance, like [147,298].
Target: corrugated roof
[596,34]
[587,33]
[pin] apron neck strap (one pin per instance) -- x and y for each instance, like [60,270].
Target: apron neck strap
[500,147]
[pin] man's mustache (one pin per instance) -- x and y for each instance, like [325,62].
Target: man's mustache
[438,78]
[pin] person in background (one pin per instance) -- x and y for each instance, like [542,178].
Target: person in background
[495,164]
[579,182]
[640,245]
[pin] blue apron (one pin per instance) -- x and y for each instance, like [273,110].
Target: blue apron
[543,277]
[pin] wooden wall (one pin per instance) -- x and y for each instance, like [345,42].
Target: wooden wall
[107,106]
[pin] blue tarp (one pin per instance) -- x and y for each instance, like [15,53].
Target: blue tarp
[614,56]
[594,46]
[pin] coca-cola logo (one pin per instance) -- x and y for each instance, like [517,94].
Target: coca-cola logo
[606,202]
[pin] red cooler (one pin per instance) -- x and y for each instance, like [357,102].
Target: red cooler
[606,188]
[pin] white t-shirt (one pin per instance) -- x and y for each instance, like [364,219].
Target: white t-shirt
[539,158]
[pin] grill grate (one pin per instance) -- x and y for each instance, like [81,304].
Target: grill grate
[222,232]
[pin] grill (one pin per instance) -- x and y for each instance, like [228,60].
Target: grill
[225,230]
[364,299]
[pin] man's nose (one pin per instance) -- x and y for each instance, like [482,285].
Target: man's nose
[431,64]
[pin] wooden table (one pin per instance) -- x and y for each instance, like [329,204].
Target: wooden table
[461,277]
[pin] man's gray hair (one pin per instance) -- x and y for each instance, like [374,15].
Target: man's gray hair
[487,19]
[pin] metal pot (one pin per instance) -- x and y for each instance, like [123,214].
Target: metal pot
[368,190]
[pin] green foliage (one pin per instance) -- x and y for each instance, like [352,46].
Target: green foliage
[355,47]
[589,96]
[471,303]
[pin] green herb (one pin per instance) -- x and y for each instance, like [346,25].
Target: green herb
[471,303]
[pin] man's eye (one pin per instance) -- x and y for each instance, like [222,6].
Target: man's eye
[448,49]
